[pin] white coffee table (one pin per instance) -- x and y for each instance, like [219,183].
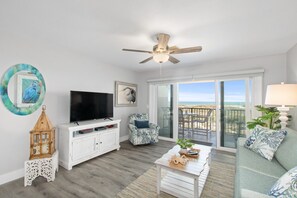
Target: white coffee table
[183,181]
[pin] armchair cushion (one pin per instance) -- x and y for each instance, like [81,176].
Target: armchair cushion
[142,124]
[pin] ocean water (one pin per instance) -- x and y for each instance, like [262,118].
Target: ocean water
[242,104]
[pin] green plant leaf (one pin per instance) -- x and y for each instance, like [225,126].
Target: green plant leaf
[269,118]
[184,143]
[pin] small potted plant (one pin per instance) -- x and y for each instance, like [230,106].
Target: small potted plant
[184,145]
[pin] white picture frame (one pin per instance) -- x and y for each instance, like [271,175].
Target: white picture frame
[23,83]
[125,94]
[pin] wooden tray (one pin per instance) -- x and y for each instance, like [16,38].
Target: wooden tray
[191,156]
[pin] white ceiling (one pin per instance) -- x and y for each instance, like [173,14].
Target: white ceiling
[227,29]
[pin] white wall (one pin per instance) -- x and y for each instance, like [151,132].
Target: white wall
[274,66]
[292,78]
[63,71]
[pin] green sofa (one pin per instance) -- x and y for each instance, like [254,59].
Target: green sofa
[256,175]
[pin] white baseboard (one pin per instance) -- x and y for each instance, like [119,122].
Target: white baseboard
[166,139]
[13,175]
[124,138]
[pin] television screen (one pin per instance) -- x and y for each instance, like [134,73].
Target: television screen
[90,105]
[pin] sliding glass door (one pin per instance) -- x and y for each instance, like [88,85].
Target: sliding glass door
[212,112]
[196,107]
[233,105]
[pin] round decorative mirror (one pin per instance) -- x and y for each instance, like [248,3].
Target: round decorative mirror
[22,89]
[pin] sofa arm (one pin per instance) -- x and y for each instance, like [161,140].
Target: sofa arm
[132,128]
[154,126]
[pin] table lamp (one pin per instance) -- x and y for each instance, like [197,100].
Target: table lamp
[282,94]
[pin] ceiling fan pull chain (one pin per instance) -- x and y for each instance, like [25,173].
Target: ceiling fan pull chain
[160,69]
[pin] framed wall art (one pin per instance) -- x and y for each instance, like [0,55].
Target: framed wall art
[28,90]
[125,94]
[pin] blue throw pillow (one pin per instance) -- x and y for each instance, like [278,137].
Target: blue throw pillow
[286,186]
[265,141]
[141,124]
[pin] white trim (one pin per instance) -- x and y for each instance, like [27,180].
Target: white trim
[217,76]
[166,139]
[171,79]
[124,138]
[13,175]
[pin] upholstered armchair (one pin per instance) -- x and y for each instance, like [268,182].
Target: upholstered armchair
[141,131]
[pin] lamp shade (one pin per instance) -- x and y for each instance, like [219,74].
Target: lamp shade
[160,57]
[281,94]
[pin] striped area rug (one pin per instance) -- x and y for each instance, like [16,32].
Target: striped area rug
[220,183]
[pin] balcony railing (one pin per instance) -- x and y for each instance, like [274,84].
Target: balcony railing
[234,119]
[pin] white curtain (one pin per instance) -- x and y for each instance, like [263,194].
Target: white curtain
[153,103]
[256,94]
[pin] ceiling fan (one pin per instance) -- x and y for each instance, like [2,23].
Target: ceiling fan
[162,52]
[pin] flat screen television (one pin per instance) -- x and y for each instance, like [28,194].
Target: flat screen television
[90,105]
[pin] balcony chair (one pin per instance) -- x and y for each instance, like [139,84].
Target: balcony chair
[181,123]
[141,131]
[185,121]
[203,120]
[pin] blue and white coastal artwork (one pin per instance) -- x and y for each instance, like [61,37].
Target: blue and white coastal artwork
[31,91]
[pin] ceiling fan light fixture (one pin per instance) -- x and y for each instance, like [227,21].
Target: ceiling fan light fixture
[161,57]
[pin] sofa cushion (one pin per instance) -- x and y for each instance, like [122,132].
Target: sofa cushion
[249,193]
[265,141]
[252,161]
[286,186]
[255,181]
[286,153]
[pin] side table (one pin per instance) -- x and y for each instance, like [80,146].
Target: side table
[45,167]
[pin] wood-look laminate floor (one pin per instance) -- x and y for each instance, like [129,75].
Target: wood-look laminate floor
[104,176]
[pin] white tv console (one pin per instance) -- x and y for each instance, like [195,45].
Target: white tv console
[75,147]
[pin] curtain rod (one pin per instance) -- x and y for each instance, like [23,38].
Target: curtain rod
[253,72]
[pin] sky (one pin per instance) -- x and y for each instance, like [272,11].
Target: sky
[205,91]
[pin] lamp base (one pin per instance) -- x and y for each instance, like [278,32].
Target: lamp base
[283,116]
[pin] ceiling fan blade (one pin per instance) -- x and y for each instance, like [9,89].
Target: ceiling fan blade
[173,60]
[162,41]
[146,60]
[133,50]
[173,48]
[186,50]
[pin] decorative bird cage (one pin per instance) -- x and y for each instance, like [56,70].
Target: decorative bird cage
[42,138]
